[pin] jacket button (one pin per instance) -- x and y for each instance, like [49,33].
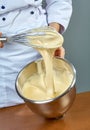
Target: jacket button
[32,12]
[2,7]
[3,18]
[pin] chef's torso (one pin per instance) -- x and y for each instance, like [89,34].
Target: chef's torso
[16,16]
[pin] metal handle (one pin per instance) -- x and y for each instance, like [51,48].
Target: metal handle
[3,39]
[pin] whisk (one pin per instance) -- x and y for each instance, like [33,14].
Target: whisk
[20,38]
[27,38]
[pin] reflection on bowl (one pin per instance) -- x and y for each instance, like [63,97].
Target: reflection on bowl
[51,108]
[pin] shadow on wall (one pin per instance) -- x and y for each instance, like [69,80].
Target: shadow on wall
[77,38]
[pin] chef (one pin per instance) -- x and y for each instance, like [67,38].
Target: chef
[16,17]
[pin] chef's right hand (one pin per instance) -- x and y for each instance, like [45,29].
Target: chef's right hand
[1,44]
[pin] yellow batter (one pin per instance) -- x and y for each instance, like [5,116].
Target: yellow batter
[49,82]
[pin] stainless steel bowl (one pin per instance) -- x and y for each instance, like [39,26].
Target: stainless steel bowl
[52,108]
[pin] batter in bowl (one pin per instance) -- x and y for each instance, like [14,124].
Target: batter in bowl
[49,82]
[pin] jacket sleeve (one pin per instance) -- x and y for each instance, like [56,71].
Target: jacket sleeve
[59,11]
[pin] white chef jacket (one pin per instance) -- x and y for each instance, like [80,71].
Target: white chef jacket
[17,16]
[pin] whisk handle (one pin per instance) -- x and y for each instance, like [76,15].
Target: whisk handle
[3,39]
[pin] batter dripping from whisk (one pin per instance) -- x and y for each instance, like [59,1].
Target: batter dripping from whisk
[51,82]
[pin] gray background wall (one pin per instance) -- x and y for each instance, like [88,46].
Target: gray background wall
[77,43]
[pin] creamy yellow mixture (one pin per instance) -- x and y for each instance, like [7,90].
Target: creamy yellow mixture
[49,82]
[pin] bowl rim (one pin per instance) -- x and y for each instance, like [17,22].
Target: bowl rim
[52,99]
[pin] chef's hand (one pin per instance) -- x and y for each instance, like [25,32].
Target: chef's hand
[60,51]
[1,44]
